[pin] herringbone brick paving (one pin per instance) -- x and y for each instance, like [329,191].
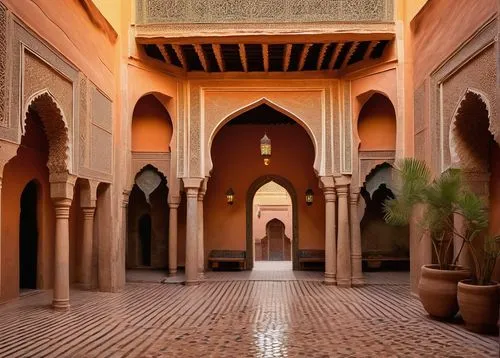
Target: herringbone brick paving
[236,318]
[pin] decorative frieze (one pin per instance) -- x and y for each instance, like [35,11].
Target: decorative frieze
[4,88]
[263,11]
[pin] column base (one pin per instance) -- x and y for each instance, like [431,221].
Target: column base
[358,281]
[61,305]
[344,282]
[201,276]
[192,283]
[330,279]
[172,272]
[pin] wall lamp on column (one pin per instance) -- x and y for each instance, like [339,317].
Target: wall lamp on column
[230,196]
[309,197]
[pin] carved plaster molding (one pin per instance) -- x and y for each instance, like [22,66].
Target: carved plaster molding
[439,101]
[161,161]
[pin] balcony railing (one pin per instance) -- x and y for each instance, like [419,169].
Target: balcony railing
[263,11]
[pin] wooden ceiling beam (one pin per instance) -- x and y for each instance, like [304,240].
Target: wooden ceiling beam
[303,56]
[369,50]
[335,55]
[201,56]
[165,54]
[321,56]
[243,57]
[265,57]
[353,48]
[180,55]
[286,57]
[218,57]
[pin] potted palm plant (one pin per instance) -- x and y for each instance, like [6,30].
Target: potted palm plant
[479,297]
[441,200]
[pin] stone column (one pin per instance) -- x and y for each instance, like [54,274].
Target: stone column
[356,251]
[172,235]
[201,246]
[61,268]
[61,192]
[191,265]
[344,239]
[1,168]
[124,235]
[327,185]
[88,236]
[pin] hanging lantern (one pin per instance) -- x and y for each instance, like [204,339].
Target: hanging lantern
[265,149]
[309,197]
[230,196]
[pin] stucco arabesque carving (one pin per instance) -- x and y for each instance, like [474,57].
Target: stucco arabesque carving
[259,11]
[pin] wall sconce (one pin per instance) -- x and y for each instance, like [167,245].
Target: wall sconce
[265,149]
[309,197]
[230,196]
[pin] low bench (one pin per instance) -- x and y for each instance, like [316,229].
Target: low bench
[218,257]
[311,259]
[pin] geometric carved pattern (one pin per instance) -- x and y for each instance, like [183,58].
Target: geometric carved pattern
[262,11]
[3,67]
[346,138]
[55,129]
[101,138]
[84,123]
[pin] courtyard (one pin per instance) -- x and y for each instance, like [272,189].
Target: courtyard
[261,313]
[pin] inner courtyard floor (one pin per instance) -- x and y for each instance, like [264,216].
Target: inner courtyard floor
[233,315]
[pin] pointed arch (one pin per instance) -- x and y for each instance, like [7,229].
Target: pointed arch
[276,107]
[254,187]
[56,129]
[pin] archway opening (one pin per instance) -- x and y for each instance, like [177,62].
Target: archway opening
[476,152]
[377,125]
[148,222]
[384,247]
[272,223]
[28,237]
[238,164]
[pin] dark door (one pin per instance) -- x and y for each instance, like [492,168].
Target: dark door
[145,239]
[28,237]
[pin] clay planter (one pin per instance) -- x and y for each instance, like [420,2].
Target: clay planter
[479,306]
[438,290]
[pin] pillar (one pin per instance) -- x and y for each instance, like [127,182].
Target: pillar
[1,233]
[61,192]
[328,187]
[191,266]
[344,239]
[61,268]
[88,237]
[356,252]
[124,236]
[201,246]
[173,205]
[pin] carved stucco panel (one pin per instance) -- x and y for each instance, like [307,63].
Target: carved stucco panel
[346,133]
[194,164]
[181,132]
[84,160]
[4,88]
[101,151]
[418,109]
[306,105]
[478,74]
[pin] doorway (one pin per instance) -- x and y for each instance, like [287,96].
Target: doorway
[145,239]
[28,237]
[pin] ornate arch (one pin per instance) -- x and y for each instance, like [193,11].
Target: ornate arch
[273,105]
[56,129]
[254,187]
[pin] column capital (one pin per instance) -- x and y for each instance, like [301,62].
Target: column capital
[353,199]
[192,183]
[62,186]
[125,197]
[62,208]
[174,200]
[88,212]
[342,190]
[330,194]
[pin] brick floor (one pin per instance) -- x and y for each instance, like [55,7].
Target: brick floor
[231,317]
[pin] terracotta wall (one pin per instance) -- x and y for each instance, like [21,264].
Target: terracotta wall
[495,198]
[439,29]
[377,124]
[151,126]
[237,163]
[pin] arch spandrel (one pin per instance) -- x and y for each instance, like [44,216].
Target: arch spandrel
[305,107]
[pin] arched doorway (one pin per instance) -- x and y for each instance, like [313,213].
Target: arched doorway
[272,223]
[251,248]
[474,150]
[383,245]
[148,221]
[28,237]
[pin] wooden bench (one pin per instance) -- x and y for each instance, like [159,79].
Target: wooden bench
[314,259]
[218,257]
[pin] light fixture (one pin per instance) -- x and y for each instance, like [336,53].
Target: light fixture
[309,197]
[230,196]
[265,149]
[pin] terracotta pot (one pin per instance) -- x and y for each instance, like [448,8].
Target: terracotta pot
[479,306]
[438,290]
